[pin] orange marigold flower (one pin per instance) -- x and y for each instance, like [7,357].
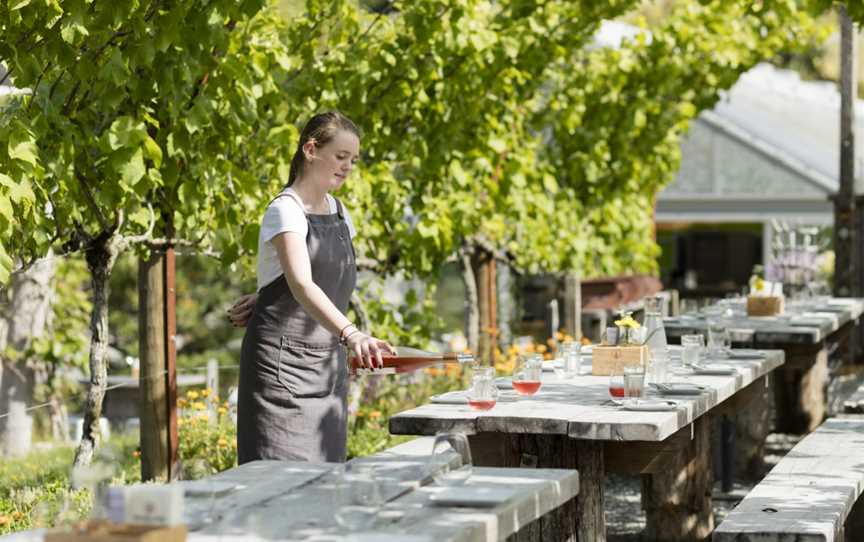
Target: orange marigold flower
[375,414]
[541,348]
[222,443]
[3,520]
[17,515]
[136,454]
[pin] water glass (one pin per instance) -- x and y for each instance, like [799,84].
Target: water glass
[568,365]
[358,498]
[692,352]
[450,462]
[526,376]
[719,341]
[634,382]
[483,393]
[616,386]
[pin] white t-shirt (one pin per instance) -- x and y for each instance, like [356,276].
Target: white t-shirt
[285,214]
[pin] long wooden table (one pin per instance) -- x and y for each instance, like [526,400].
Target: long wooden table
[279,500]
[572,424]
[295,501]
[807,333]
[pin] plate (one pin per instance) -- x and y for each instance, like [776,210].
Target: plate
[504,383]
[715,370]
[650,405]
[746,354]
[472,496]
[679,388]
[205,488]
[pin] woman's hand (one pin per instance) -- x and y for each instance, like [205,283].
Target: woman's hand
[368,350]
[241,310]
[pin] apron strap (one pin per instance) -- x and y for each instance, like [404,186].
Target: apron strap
[339,208]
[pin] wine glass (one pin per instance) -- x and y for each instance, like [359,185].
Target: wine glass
[526,375]
[450,462]
[693,347]
[483,393]
[616,386]
[358,498]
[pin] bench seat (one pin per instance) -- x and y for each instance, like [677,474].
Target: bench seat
[809,493]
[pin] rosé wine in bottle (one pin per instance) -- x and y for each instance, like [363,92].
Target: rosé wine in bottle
[407,360]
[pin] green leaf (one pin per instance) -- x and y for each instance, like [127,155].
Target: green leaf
[152,151]
[133,169]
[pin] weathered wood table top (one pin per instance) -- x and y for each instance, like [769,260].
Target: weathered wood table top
[296,501]
[801,324]
[580,408]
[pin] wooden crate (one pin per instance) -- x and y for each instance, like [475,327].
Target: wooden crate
[764,305]
[101,531]
[605,359]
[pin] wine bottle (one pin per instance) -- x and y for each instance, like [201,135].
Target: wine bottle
[409,359]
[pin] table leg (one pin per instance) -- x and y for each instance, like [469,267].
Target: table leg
[579,520]
[799,388]
[752,424]
[677,496]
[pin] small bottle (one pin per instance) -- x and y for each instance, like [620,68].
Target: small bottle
[409,359]
[655,334]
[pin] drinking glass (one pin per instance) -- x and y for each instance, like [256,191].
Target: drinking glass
[358,498]
[483,393]
[719,341]
[616,386]
[526,375]
[568,365]
[693,346]
[634,382]
[450,462]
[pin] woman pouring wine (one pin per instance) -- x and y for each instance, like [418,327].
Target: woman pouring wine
[292,397]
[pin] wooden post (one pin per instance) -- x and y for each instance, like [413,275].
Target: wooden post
[153,407]
[483,264]
[213,386]
[848,265]
[573,305]
[677,496]
[170,334]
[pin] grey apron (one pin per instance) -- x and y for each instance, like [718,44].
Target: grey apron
[292,397]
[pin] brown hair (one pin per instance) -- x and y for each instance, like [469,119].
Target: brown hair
[321,128]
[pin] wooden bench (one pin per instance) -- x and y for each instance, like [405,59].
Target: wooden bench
[810,493]
[855,403]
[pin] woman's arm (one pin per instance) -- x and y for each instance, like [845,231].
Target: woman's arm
[294,259]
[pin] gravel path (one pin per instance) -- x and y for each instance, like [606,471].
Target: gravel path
[625,518]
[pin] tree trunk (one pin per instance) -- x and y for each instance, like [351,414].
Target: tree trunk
[472,308]
[23,317]
[101,256]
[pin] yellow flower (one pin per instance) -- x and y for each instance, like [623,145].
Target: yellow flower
[375,414]
[192,395]
[205,392]
[222,443]
[628,321]
[199,405]
[760,284]
[3,520]
[136,454]
[222,410]
[541,348]
[182,403]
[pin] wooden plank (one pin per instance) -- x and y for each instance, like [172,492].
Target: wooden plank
[810,492]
